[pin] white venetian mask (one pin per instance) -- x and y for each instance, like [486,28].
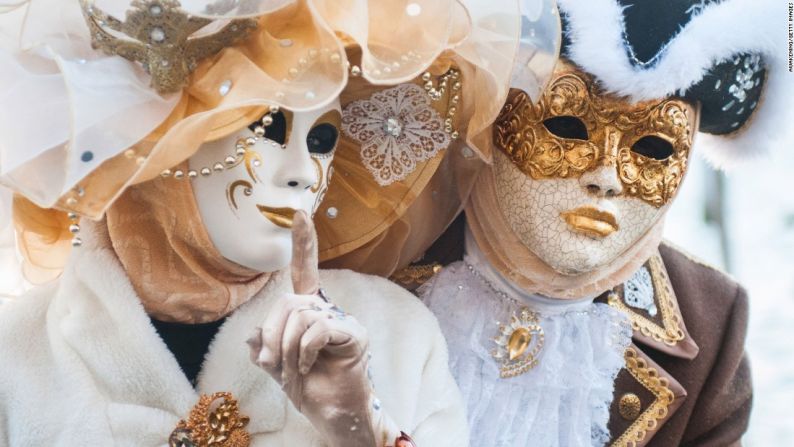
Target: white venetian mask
[247,208]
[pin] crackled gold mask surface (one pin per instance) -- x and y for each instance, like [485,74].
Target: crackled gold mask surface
[647,142]
[581,176]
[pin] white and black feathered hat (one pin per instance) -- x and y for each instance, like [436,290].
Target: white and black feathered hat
[731,56]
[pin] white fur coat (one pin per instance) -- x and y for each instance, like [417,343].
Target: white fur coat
[81,364]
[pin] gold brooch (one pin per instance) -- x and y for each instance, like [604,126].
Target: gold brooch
[519,343]
[157,34]
[214,422]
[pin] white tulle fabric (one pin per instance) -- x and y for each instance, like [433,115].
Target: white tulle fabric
[564,401]
[62,103]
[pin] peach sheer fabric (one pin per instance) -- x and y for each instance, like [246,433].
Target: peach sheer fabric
[505,251]
[156,231]
[102,112]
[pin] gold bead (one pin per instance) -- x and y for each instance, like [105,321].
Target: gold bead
[455,135]
[630,406]
[166,173]
[129,153]
[426,76]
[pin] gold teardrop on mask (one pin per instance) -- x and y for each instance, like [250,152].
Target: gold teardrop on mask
[519,342]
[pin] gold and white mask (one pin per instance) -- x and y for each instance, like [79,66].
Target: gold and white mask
[259,178]
[582,175]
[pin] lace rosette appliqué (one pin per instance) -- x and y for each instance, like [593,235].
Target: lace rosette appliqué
[397,128]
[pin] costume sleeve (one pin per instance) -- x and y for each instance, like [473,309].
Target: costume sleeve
[722,412]
[441,421]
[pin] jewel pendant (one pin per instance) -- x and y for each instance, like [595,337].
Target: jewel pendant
[519,343]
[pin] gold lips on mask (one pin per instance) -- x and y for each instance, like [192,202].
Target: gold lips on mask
[591,221]
[648,143]
[281,217]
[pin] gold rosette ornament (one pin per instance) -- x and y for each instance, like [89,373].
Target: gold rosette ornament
[214,422]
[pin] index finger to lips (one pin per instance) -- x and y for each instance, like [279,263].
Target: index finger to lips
[304,267]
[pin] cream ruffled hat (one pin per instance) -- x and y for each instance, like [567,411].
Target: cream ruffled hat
[79,125]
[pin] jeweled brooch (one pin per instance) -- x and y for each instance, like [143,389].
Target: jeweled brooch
[214,422]
[519,343]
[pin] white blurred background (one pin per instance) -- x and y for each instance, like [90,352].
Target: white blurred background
[743,223]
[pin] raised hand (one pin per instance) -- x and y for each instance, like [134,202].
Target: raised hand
[319,355]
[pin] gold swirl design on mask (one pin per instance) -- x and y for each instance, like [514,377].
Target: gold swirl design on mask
[320,176]
[613,126]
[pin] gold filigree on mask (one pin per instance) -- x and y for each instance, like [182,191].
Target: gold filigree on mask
[613,127]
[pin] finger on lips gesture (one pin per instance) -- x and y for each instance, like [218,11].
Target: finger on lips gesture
[302,325]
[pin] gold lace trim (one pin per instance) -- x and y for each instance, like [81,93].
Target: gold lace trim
[672,332]
[648,421]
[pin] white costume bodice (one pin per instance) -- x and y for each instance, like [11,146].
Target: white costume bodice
[564,400]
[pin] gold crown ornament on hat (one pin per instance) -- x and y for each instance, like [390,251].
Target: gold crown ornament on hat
[160,35]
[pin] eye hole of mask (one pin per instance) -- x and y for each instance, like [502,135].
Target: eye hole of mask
[654,147]
[569,127]
[277,130]
[322,138]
